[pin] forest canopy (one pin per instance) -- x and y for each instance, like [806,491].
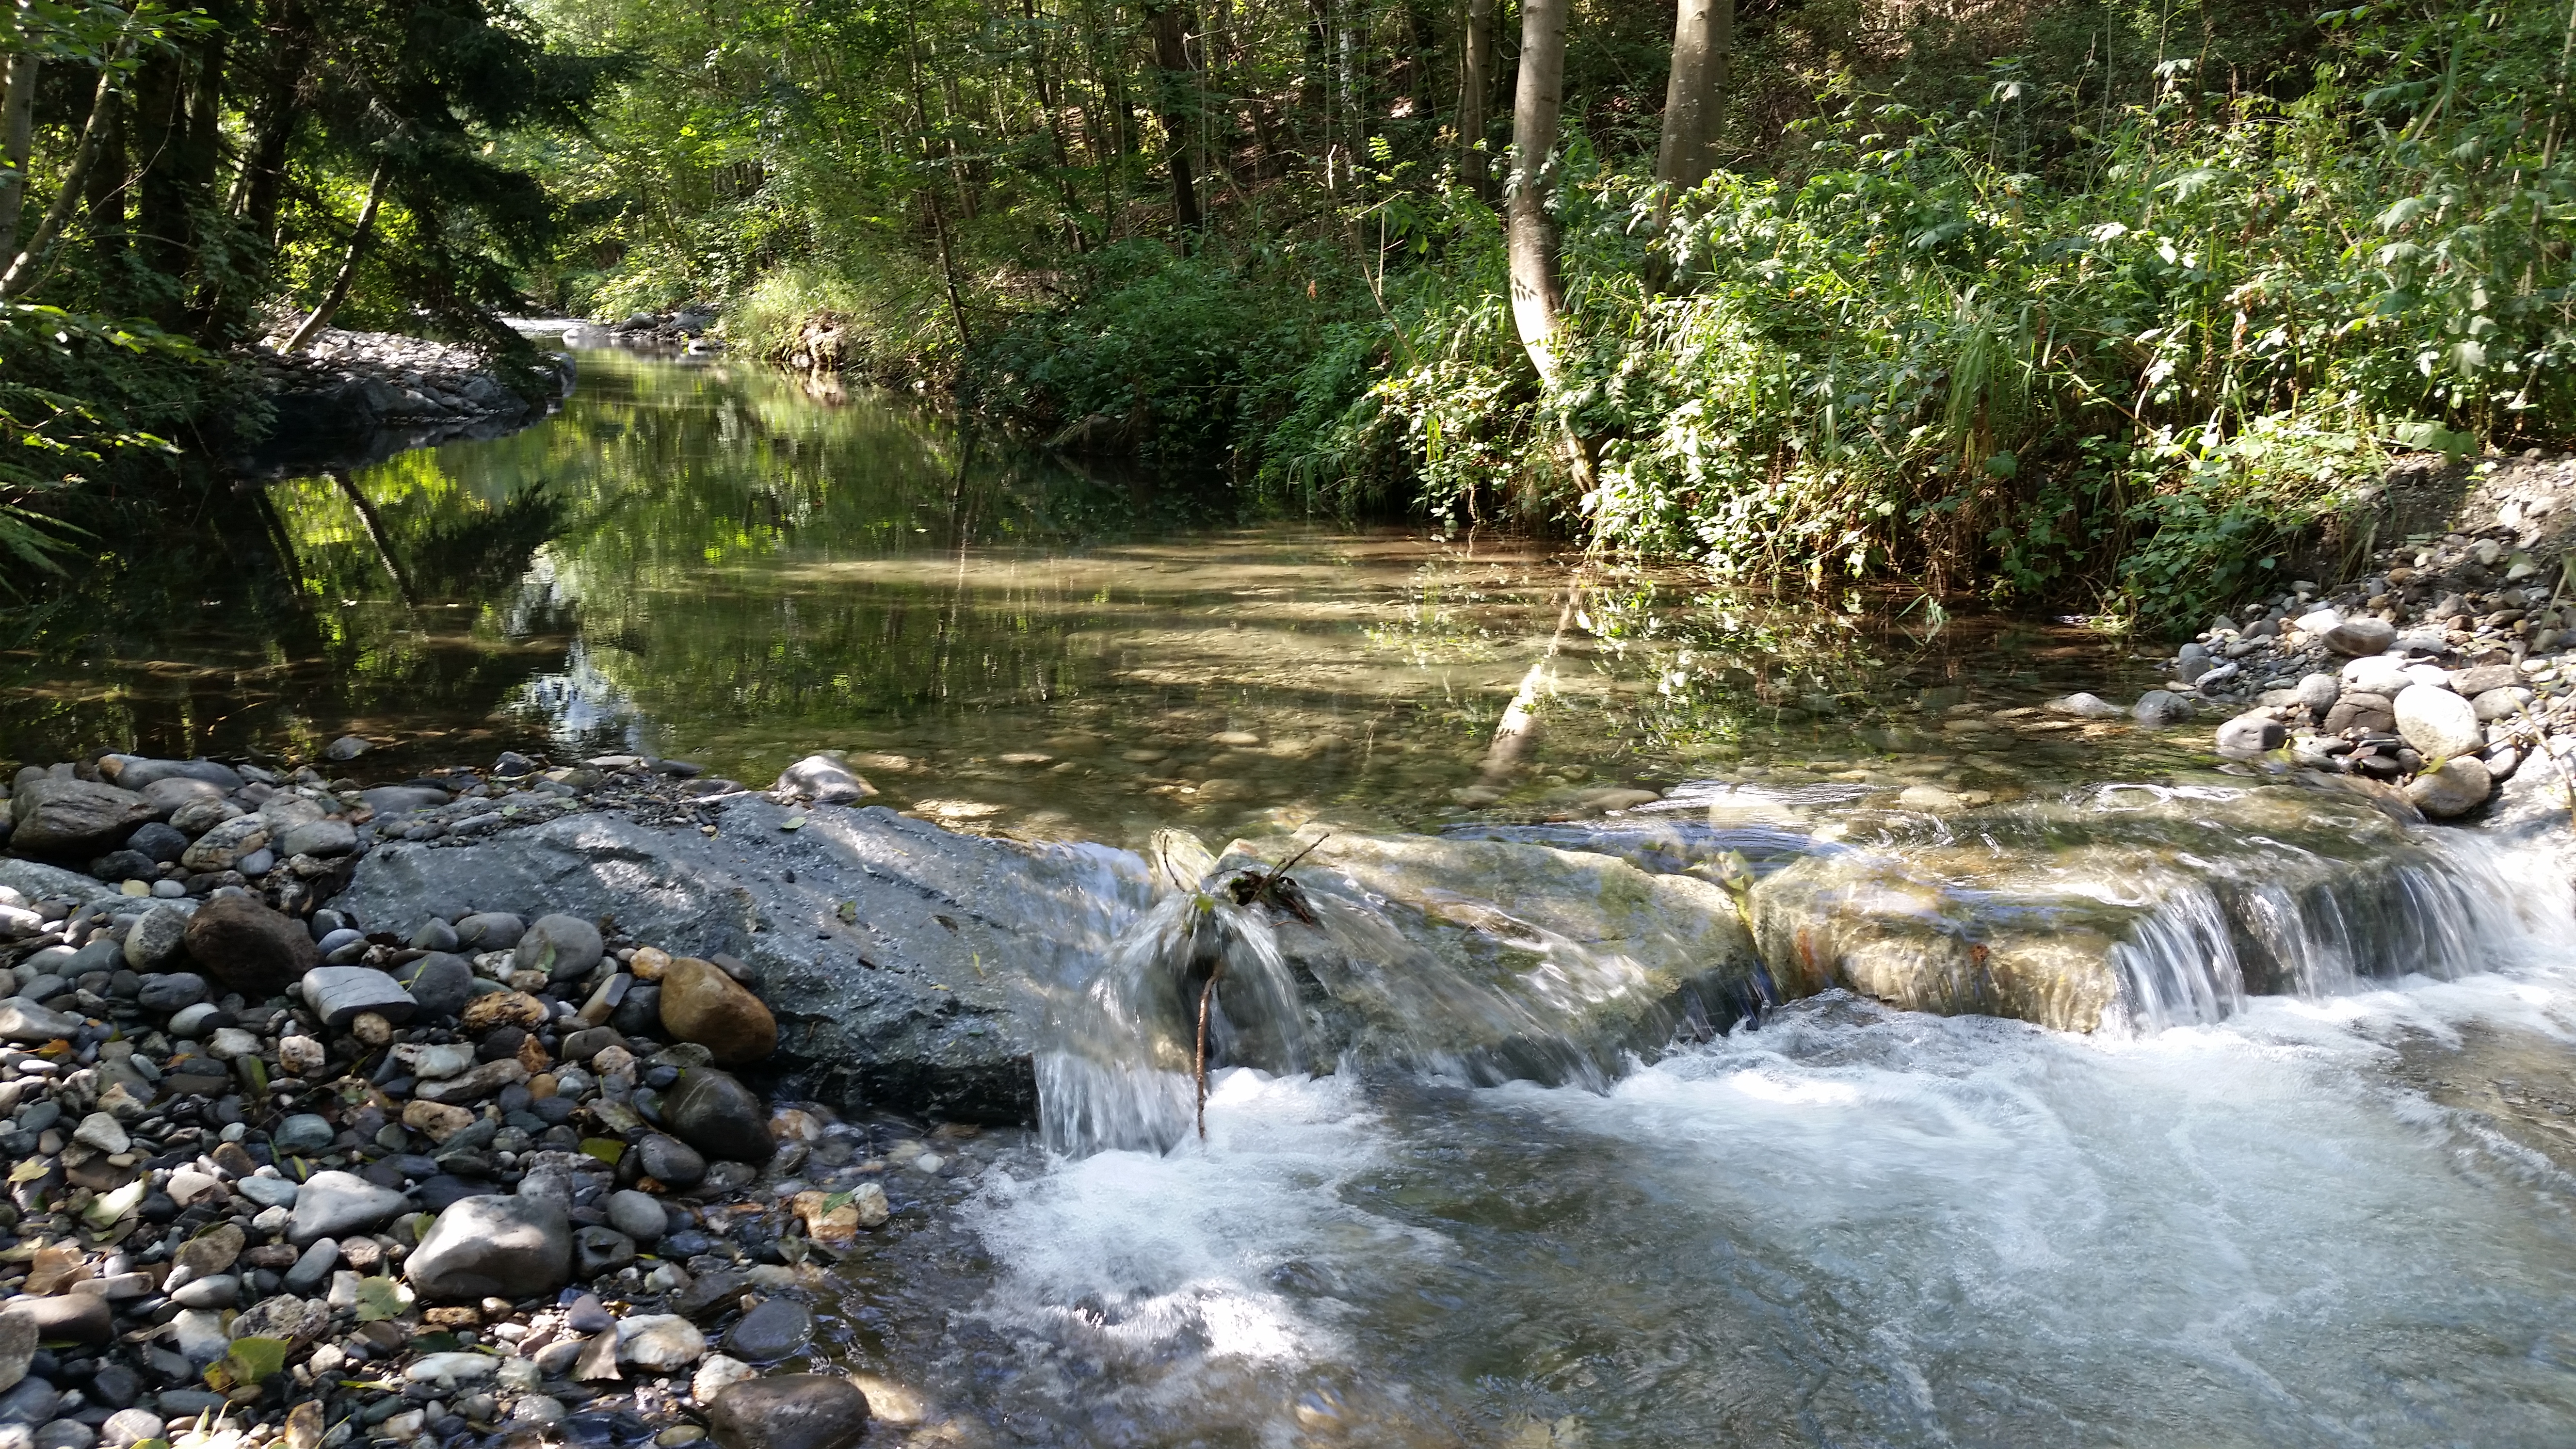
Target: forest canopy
[2108,302]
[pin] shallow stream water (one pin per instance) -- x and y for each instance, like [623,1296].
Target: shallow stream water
[2338,1215]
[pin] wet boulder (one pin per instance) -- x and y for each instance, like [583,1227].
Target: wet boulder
[481,1247]
[73,818]
[719,1116]
[700,1003]
[789,1411]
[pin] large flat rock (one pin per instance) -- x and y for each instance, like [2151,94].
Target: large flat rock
[903,962]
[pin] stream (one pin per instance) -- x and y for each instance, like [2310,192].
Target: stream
[2300,1175]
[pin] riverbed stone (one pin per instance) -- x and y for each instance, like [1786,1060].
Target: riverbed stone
[481,1247]
[2159,708]
[638,1215]
[824,780]
[2251,734]
[2439,723]
[700,1003]
[134,772]
[249,947]
[334,1204]
[772,1330]
[225,845]
[669,1161]
[73,818]
[322,838]
[564,947]
[2360,634]
[158,843]
[2318,693]
[156,940]
[2085,706]
[341,994]
[25,1022]
[439,984]
[2461,785]
[789,1411]
[719,1116]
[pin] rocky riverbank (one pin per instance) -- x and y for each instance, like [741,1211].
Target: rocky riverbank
[349,383]
[286,1176]
[2442,672]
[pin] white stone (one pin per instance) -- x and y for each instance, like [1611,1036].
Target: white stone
[2438,723]
[663,1341]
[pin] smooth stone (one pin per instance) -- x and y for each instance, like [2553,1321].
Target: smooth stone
[73,818]
[2439,723]
[102,1131]
[719,1116]
[700,1003]
[564,947]
[638,1215]
[304,1134]
[490,930]
[173,992]
[2377,674]
[313,1267]
[135,772]
[156,940]
[482,1247]
[250,948]
[345,749]
[2501,703]
[2361,635]
[660,1341]
[434,935]
[18,1342]
[789,1411]
[342,994]
[158,843]
[823,780]
[2318,692]
[334,1204]
[128,1427]
[2251,734]
[597,1251]
[68,1317]
[2461,785]
[669,1161]
[220,1290]
[439,983]
[323,838]
[403,799]
[25,1022]
[2158,708]
[267,1191]
[771,1331]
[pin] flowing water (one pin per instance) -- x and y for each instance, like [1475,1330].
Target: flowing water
[1559,1100]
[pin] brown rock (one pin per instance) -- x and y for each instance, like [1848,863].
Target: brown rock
[250,948]
[73,817]
[504,1008]
[213,1251]
[700,1003]
[436,1119]
[789,1411]
[649,963]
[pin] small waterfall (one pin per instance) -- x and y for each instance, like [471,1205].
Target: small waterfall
[1119,1068]
[2178,963]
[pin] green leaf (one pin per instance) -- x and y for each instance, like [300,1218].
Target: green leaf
[379,1298]
[606,1149]
[251,1361]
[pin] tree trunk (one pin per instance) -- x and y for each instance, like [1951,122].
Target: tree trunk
[1695,94]
[1475,94]
[1316,83]
[930,199]
[1172,84]
[22,270]
[18,146]
[339,293]
[1538,300]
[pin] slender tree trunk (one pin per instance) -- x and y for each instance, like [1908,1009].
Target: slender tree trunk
[1172,82]
[1695,93]
[930,201]
[22,269]
[1317,81]
[1050,100]
[1538,299]
[320,317]
[105,202]
[1475,94]
[17,144]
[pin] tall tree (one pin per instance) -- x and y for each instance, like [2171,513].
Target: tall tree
[1173,104]
[1695,93]
[1538,299]
[17,131]
[1475,94]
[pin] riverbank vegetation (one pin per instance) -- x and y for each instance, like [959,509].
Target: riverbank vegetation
[2103,303]
[179,183]
[2110,304]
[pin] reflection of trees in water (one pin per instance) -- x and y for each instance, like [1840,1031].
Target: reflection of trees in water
[432,586]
